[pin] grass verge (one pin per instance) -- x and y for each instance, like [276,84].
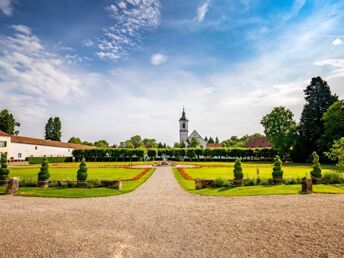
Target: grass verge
[127,186]
[189,186]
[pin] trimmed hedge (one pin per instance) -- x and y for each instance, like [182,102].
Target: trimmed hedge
[122,154]
[38,160]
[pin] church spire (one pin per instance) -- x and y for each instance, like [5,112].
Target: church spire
[183,115]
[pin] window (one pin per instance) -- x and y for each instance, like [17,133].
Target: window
[36,147]
[183,126]
[19,155]
[3,144]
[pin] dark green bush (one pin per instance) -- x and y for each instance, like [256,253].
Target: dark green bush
[333,178]
[28,182]
[292,181]
[82,171]
[277,172]
[44,171]
[4,171]
[38,160]
[238,174]
[219,182]
[316,171]
[249,182]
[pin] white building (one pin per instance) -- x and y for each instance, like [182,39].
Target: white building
[19,147]
[184,136]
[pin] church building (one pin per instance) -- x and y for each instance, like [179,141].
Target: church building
[184,136]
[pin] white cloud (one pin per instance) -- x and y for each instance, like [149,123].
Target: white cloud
[202,11]
[6,6]
[295,9]
[132,19]
[337,42]
[158,59]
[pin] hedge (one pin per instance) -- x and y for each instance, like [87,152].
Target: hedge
[110,154]
[38,160]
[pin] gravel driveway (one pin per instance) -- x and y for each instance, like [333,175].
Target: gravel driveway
[161,220]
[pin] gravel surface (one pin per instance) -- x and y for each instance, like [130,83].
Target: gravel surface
[161,220]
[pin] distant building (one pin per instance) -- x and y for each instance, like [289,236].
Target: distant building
[258,142]
[20,147]
[184,136]
[214,145]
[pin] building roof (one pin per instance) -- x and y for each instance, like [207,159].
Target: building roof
[183,118]
[195,134]
[214,145]
[258,142]
[2,133]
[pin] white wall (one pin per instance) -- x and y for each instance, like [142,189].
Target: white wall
[5,139]
[22,151]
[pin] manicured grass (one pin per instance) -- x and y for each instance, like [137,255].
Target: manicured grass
[95,164]
[250,170]
[70,173]
[189,186]
[127,186]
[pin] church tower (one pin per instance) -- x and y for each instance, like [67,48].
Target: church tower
[183,128]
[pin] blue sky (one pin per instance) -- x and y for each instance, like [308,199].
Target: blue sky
[112,69]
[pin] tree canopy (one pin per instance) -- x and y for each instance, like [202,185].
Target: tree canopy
[75,140]
[101,144]
[7,122]
[53,129]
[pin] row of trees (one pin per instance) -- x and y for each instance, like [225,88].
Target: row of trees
[235,141]
[321,123]
[112,154]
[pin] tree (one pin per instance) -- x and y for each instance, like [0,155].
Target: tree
[206,139]
[53,129]
[87,143]
[82,171]
[44,174]
[150,142]
[211,140]
[316,171]
[333,120]
[336,153]
[277,172]
[101,144]
[318,99]
[217,140]
[7,122]
[75,140]
[4,171]
[193,143]
[238,174]
[136,141]
[280,129]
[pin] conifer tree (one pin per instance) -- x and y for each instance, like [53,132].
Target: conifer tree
[82,172]
[238,174]
[4,171]
[316,171]
[44,174]
[277,172]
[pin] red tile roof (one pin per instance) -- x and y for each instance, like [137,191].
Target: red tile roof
[214,145]
[2,133]
[258,142]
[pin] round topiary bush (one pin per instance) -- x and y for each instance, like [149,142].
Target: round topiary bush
[4,171]
[277,172]
[44,175]
[316,171]
[82,171]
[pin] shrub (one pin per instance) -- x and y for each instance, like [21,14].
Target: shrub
[82,171]
[249,182]
[292,181]
[316,171]
[38,160]
[4,171]
[27,182]
[333,178]
[264,181]
[218,182]
[44,174]
[277,172]
[238,174]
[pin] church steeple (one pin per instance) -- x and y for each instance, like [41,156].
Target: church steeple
[183,128]
[183,116]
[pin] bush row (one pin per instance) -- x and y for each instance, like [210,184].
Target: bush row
[38,160]
[110,154]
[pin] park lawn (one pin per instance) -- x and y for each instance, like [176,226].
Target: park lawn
[189,186]
[58,192]
[102,164]
[250,170]
[70,173]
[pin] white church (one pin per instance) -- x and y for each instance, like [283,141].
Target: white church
[184,136]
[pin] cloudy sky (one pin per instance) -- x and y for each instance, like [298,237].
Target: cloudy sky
[111,69]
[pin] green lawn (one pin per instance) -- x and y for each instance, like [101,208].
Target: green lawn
[127,186]
[70,173]
[94,164]
[225,170]
[189,186]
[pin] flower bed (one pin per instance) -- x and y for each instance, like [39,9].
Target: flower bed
[138,176]
[184,174]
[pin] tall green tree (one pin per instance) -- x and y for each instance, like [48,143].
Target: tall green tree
[53,129]
[280,129]
[101,144]
[336,153]
[211,140]
[333,120]
[136,141]
[7,122]
[75,140]
[318,98]
[217,140]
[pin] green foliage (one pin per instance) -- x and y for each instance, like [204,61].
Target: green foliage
[336,153]
[44,171]
[4,171]
[333,178]
[152,153]
[193,143]
[280,129]
[101,144]
[7,122]
[82,171]
[150,142]
[38,160]
[316,171]
[75,140]
[311,127]
[238,174]
[235,141]
[53,129]
[136,141]
[217,140]
[211,140]
[277,172]
[333,120]
[221,182]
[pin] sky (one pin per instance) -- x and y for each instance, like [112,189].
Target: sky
[111,69]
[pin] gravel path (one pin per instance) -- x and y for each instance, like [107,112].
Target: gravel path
[161,220]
